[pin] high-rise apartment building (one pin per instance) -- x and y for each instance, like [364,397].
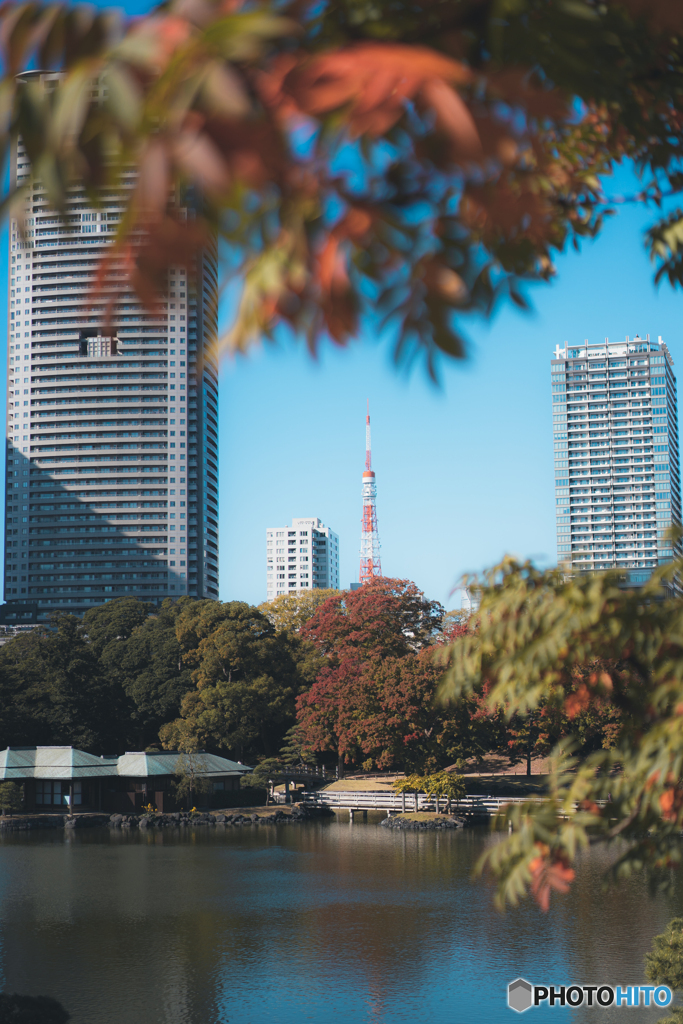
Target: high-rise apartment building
[301,556]
[617,468]
[112,435]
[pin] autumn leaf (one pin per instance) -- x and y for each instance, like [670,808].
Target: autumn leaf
[671,802]
[376,80]
[549,872]
[577,701]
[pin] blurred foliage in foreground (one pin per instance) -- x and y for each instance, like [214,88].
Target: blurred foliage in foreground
[421,161]
[545,644]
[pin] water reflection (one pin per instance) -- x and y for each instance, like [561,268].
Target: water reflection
[323,923]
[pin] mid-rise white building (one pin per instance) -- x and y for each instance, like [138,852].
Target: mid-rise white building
[301,556]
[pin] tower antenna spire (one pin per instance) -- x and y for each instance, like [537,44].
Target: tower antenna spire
[370,563]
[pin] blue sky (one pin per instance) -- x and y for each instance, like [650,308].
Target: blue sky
[464,471]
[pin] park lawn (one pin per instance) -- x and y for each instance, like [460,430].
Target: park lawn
[368,785]
[506,785]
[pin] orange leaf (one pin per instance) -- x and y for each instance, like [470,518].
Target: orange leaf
[354,226]
[671,802]
[453,118]
[445,282]
[548,874]
[331,269]
[577,701]
[375,79]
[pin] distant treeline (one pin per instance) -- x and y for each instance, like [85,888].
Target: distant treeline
[334,676]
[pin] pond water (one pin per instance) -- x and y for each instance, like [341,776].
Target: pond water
[325,922]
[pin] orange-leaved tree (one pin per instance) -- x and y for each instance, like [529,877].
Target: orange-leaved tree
[417,161]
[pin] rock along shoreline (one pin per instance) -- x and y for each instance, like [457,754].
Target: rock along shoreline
[183,819]
[178,819]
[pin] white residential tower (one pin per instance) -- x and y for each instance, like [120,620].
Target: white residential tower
[301,556]
[617,470]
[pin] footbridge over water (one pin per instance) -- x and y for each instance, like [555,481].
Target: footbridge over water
[354,800]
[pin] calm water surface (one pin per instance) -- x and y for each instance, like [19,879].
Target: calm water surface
[328,923]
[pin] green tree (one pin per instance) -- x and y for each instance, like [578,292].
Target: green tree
[154,675]
[436,784]
[664,964]
[11,797]
[111,624]
[190,775]
[246,681]
[444,784]
[410,784]
[291,612]
[54,691]
[572,645]
[267,774]
[294,750]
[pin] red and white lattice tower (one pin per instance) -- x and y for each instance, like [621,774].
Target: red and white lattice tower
[370,564]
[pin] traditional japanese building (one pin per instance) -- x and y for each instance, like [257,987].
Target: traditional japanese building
[63,778]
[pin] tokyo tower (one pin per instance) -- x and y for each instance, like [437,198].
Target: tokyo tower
[370,564]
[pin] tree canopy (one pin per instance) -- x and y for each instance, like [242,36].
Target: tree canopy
[373,697]
[292,611]
[419,161]
[246,677]
[53,690]
[664,964]
[113,679]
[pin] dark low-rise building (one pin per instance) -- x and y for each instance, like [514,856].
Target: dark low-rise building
[63,778]
[144,778]
[56,778]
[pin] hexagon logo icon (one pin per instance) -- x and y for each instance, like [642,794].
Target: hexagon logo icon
[519,995]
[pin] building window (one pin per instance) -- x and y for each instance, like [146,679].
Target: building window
[50,793]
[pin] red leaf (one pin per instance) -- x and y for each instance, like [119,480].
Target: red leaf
[453,118]
[376,79]
[671,802]
[547,874]
[577,701]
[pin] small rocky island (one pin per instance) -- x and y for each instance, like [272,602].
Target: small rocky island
[425,822]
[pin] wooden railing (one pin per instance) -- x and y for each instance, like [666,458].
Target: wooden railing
[407,802]
[305,772]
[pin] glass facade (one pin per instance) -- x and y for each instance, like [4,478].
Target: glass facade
[617,468]
[112,431]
